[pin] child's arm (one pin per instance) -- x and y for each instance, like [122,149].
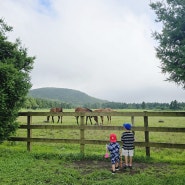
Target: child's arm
[106,146]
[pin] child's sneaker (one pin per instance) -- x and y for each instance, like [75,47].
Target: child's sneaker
[125,167]
[113,172]
[117,168]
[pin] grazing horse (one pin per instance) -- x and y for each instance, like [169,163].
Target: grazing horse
[103,110]
[56,109]
[81,109]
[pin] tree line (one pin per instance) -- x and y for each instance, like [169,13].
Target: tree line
[39,103]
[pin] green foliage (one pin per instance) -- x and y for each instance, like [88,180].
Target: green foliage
[35,103]
[171,49]
[174,105]
[74,97]
[15,66]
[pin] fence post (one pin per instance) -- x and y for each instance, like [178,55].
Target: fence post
[29,132]
[82,135]
[146,135]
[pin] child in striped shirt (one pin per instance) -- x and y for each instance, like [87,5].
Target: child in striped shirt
[128,145]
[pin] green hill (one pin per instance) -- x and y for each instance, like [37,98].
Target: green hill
[64,95]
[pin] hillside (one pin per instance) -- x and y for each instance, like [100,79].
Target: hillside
[64,95]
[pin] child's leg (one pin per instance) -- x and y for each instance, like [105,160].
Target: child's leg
[131,153]
[113,167]
[125,153]
[126,160]
[117,164]
[113,161]
[130,161]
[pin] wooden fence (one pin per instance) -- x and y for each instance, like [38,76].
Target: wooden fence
[82,127]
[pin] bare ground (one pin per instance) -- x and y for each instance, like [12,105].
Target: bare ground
[88,166]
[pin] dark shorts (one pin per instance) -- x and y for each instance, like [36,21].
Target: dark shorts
[114,159]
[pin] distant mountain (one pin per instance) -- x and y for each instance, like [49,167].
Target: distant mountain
[64,95]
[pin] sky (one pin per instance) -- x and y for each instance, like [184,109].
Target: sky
[103,48]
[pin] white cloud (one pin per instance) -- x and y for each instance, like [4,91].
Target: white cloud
[101,47]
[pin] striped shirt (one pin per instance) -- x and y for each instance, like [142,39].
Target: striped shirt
[128,140]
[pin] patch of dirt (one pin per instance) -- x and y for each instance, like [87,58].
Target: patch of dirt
[88,166]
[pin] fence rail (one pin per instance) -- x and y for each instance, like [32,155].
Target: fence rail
[82,127]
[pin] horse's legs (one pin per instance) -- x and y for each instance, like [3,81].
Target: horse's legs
[53,119]
[58,119]
[90,119]
[86,119]
[48,118]
[96,119]
[109,119]
[101,119]
[77,119]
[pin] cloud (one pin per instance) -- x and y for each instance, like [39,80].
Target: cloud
[101,47]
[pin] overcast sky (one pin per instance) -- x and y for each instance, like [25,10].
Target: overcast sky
[103,48]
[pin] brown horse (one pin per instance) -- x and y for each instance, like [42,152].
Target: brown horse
[103,110]
[81,109]
[56,109]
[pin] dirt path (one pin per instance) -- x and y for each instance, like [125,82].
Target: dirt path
[88,166]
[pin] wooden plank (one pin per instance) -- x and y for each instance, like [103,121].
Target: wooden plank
[49,114]
[165,129]
[95,127]
[160,145]
[98,142]
[159,129]
[47,140]
[50,126]
[145,113]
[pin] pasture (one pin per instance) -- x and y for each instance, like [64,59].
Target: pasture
[58,163]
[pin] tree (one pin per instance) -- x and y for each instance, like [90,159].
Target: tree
[171,49]
[143,105]
[15,66]
[174,105]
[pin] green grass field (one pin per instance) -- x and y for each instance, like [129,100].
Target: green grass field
[55,164]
